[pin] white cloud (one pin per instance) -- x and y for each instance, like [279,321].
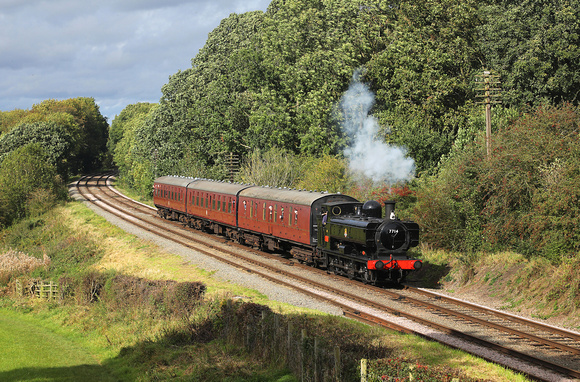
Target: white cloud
[117,51]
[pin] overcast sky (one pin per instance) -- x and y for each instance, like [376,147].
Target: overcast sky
[117,51]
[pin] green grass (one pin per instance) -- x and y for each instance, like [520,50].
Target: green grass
[31,351]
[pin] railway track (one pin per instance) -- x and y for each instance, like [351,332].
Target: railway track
[541,351]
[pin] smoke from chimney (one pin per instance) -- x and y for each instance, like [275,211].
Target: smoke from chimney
[367,153]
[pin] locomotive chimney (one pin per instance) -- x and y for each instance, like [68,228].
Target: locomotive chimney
[390,210]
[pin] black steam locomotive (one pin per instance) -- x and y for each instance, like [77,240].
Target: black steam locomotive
[358,243]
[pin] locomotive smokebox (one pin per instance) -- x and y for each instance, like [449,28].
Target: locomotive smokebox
[390,210]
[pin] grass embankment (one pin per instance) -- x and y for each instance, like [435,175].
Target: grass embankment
[134,339]
[533,287]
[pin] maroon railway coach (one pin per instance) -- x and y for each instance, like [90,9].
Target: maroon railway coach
[283,219]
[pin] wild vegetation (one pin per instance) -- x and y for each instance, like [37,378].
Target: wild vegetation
[41,148]
[279,112]
[141,314]
[267,88]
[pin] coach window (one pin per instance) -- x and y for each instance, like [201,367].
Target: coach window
[264,212]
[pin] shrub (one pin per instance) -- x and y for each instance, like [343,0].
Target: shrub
[23,173]
[328,173]
[14,263]
[159,297]
[523,197]
[397,369]
[275,168]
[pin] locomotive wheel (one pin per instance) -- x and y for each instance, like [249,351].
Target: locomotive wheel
[350,272]
[368,277]
[331,269]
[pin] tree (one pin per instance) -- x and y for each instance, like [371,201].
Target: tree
[535,46]
[523,198]
[423,76]
[122,138]
[23,172]
[79,119]
[55,140]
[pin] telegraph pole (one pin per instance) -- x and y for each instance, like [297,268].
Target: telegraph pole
[489,86]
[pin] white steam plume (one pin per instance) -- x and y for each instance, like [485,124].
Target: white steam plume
[367,154]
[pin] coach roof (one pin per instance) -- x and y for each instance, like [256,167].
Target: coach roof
[180,181]
[217,186]
[284,195]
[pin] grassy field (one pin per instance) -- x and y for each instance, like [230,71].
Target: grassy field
[35,351]
[56,342]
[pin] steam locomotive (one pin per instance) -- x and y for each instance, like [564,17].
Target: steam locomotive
[330,231]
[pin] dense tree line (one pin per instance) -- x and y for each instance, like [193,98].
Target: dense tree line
[267,85]
[72,132]
[273,79]
[41,148]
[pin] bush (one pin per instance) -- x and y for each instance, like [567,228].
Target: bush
[14,263]
[397,369]
[23,173]
[328,173]
[524,197]
[274,168]
[159,297]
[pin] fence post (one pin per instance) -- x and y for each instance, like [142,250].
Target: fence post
[289,343]
[363,370]
[337,364]
[19,288]
[303,353]
[315,359]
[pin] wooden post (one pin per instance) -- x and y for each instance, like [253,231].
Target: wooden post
[337,364]
[19,288]
[289,345]
[363,370]
[303,353]
[315,359]
[490,96]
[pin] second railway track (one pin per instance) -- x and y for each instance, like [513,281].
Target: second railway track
[541,351]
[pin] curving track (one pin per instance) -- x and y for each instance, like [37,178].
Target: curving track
[541,351]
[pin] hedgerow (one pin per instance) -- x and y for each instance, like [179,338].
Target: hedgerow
[523,196]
